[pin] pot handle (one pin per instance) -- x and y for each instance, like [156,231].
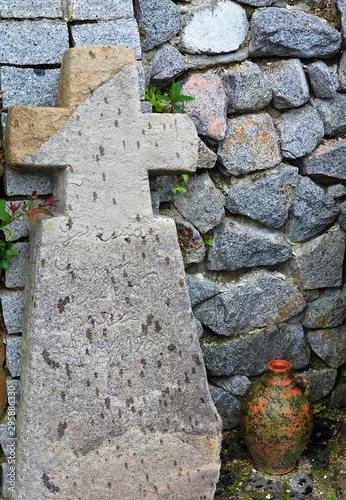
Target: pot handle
[303,383]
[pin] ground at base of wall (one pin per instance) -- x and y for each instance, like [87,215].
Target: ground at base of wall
[320,472]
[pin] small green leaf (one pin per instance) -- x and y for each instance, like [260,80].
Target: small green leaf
[174,190]
[184,177]
[3,264]
[181,189]
[178,109]
[142,31]
[10,254]
[8,232]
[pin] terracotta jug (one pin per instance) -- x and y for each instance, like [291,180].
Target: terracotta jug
[276,418]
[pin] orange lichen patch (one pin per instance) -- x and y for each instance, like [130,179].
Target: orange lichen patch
[289,309]
[321,322]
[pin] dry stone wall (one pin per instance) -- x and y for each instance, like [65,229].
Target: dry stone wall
[269,81]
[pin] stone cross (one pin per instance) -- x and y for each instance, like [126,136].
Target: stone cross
[114,398]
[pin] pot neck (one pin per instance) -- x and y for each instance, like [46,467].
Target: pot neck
[279,372]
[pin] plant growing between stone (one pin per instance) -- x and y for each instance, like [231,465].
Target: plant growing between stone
[10,212]
[154,96]
[179,188]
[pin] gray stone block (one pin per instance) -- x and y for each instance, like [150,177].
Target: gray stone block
[33,42]
[342,72]
[327,161]
[228,407]
[301,130]
[160,19]
[283,32]
[80,10]
[247,89]
[328,310]
[329,345]
[337,191]
[251,143]
[20,183]
[236,385]
[323,80]
[6,478]
[122,32]
[194,61]
[29,86]
[333,114]
[201,205]
[318,263]
[167,65]
[163,185]
[342,216]
[342,9]
[338,395]
[237,245]
[266,197]
[259,299]
[206,157]
[288,83]
[214,29]
[322,381]
[15,274]
[200,288]
[313,210]
[12,304]
[245,355]
[30,9]
[191,244]
[13,348]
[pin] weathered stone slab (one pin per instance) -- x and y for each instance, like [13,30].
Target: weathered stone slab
[333,114]
[323,81]
[200,288]
[237,245]
[208,110]
[196,61]
[190,242]
[167,65]
[342,71]
[322,381]
[326,311]
[288,82]
[247,88]
[17,183]
[327,161]
[214,29]
[79,10]
[33,42]
[283,32]
[236,384]
[201,204]
[301,130]
[160,20]
[251,143]
[337,191]
[330,345]
[264,197]
[206,157]
[227,406]
[13,346]
[312,211]
[30,9]
[12,304]
[111,362]
[15,274]
[259,299]
[245,355]
[319,261]
[342,216]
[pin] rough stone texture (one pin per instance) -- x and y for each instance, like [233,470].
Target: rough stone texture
[12,304]
[227,406]
[206,157]
[342,72]
[28,86]
[16,183]
[319,261]
[32,42]
[13,348]
[338,395]
[15,274]
[283,32]
[194,61]
[160,19]
[322,381]
[30,9]
[122,32]
[247,88]
[167,65]
[323,80]
[214,29]
[258,300]
[200,288]
[327,311]
[251,143]
[333,114]
[208,110]
[237,245]
[342,216]
[330,345]
[312,211]
[163,185]
[342,9]
[288,82]
[258,3]
[264,197]
[108,316]
[337,191]
[327,161]
[236,385]
[245,355]
[190,242]
[301,130]
[100,9]
[201,204]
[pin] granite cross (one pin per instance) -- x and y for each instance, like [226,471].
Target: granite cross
[114,399]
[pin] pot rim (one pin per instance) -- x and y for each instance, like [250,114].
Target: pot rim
[279,365]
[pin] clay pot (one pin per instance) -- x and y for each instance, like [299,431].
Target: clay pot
[276,418]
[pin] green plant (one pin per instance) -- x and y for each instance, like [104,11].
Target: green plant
[208,242]
[10,212]
[154,96]
[179,188]
[332,496]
